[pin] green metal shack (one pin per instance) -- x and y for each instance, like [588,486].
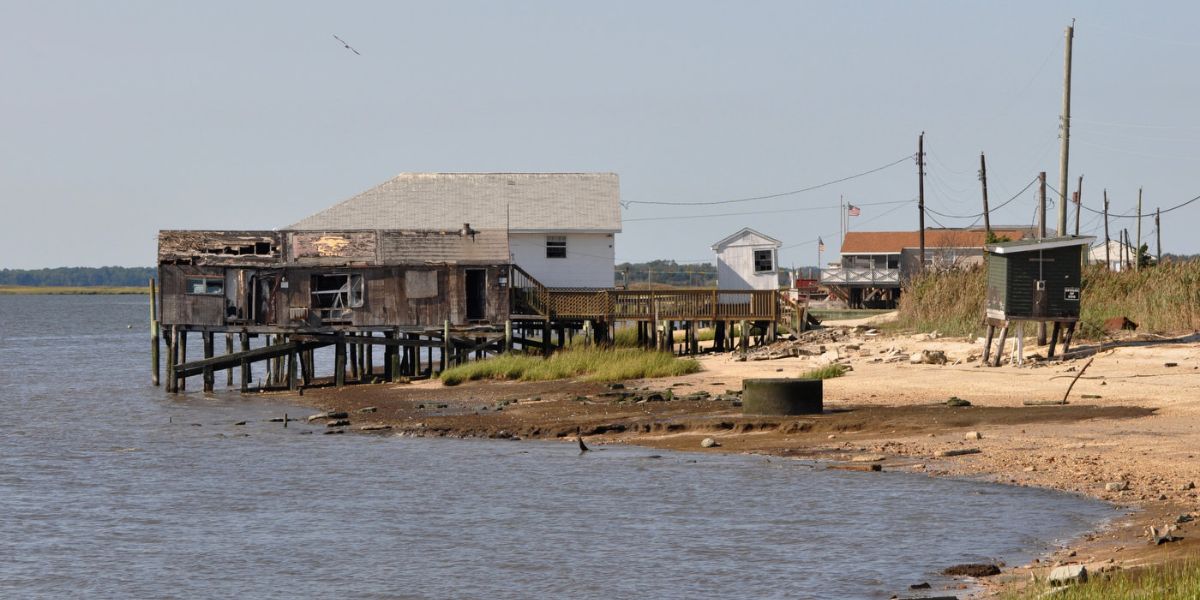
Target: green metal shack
[1036,279]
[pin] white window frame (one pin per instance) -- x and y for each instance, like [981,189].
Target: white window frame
[556,243]
[770,253]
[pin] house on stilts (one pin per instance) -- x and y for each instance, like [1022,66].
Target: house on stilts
[429,268]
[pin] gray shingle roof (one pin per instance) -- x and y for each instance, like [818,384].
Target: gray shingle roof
[522,202]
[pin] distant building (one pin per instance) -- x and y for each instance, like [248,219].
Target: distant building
[560,226]
[747,260]
[1118,255]
[873,264]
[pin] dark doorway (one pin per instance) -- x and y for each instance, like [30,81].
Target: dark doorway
[476,294]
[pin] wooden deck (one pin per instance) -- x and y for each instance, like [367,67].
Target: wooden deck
[531,300]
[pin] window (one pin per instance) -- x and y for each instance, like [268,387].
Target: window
[334,295]
[556,246]
[764,260]
[206,287]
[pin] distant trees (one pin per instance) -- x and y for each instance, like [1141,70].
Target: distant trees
[78,276]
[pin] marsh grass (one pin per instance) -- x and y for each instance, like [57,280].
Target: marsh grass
[1177,581]
[590,364]
[826,372]
[1160,299]
[28,290]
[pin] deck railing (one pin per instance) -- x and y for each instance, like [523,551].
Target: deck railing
[649,305]
[859,276]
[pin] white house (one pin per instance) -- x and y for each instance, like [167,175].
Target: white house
[1118,255]
[747,260]
[560,226]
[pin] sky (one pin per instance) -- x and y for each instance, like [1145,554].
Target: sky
[121,118]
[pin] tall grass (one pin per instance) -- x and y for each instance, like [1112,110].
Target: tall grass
[826,372]
[591,364]
[1178,581]
[1160,299]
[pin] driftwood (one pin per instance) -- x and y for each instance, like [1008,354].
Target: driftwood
[1077,375]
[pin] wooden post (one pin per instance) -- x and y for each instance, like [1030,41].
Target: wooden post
[920,195]
[1067,337]
[1041,328]
[1000,345]
[172,358]
[1107,258]
[447,346]
[291,370]
[587,333]
[745,342]
[354,374]
[718,335]
[1158,236]
[1078,203]
[339,361]
[987,221]
[229,350]
[207,336]
[305,369]
[369,357]
[546,338]
[154,344]
[508,335]
[1137,249]
[244,365]
[1065,133]
[181,351]
[694,331]
[987,345]
[1053,339]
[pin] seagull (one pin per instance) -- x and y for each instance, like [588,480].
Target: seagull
[346,45]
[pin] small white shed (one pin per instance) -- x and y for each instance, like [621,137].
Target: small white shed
[747,260]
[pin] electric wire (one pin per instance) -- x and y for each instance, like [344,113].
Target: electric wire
[990,210]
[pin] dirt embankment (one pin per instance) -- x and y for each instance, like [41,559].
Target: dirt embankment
[1129,433]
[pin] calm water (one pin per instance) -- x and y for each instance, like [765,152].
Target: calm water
[110,488]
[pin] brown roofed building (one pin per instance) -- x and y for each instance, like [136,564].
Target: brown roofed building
[873,264]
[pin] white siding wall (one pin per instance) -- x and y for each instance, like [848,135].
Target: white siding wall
[589,263]
[735,269]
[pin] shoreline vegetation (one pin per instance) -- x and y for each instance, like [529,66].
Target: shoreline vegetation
[57,290]
[587,364]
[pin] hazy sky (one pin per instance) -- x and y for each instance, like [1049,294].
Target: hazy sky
[123,118]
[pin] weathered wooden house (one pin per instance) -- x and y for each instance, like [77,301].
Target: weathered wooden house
[331,280]
[747,260]
[560,226]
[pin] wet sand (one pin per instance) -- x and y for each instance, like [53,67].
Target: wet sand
[1133,420]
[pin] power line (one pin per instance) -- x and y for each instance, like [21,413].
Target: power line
[758,212]
[980,214]
[779,195]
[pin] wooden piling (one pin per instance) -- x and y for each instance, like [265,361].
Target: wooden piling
[291,370]
[1053,340]
[447,346]
[154,343]
[339,362]
[745,341]
[172,360]
[181,357]
[546,348]
[229,350]
[987,345]
[508,335]
[369,358]
[207,337]
[354,372]
[244,366]
[1000,345]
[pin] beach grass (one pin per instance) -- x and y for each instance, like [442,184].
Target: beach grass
[1174,581]
[29,290]
[1160,299]
[826,372]
[590,364]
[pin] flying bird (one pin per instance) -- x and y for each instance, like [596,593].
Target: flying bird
[347,45]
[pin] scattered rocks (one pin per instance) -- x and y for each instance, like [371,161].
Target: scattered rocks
[1067,575]
[871,458]
[928,357]
[327,415]
[958,452]
[616,386]
[240,423]
[368,409]
[709,443]
[1187,486]
[972,570]
[956,401]
[1171,364]
[924,585]
[1116,486]
[973,435]
[338,423]
[375,428]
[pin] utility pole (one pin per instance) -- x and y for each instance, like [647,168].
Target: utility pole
[1066,134]
[1107,258]
[1126,247]
[921,192]
[1079,202]
[1041,205]
[1137,250]
[1157,236]
[987,221]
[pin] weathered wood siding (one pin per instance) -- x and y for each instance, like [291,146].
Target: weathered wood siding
[182,308]
[219,247]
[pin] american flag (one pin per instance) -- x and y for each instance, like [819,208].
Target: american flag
[820,244]
[853,210]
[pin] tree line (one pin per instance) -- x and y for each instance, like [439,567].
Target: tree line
[78,276]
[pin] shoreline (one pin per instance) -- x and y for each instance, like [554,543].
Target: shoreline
[1136,428]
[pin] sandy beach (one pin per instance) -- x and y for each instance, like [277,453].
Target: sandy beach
[1128,435]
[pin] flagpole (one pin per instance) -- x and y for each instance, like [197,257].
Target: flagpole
[841,220]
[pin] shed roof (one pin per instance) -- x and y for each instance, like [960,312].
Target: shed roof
[763,239]
[518,202]
[1042,244]
[880,242]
